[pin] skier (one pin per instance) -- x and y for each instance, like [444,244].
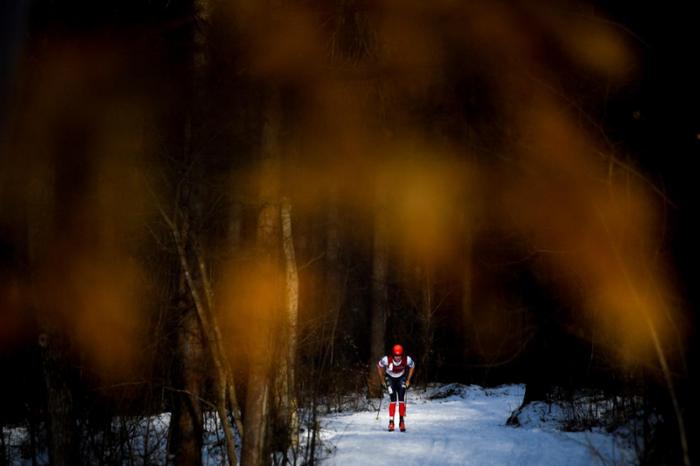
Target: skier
[393,376]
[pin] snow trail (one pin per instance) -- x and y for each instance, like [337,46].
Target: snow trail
[463,426]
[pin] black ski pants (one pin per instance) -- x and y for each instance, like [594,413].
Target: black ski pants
[396,387]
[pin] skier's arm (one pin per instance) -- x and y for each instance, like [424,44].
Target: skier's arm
[380,372]
[410,374]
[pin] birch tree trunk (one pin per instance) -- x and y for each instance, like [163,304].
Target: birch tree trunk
[292,311]
[268,234]
[258,396]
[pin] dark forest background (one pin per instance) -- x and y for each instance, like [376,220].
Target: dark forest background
[238,207]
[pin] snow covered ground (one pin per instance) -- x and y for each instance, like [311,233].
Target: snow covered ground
[458,425]
[447,425]
[143,442]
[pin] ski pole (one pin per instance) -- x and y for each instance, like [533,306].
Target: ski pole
[381,397]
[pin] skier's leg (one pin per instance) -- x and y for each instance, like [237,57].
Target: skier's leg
[393,394]
[402,397]
[402,403]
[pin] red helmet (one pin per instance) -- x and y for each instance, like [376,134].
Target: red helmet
[398,350]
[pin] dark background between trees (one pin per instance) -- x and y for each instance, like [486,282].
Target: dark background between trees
[143,138]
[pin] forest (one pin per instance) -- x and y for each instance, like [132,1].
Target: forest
[230,210]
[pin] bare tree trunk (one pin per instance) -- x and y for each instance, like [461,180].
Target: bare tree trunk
[258,396]
[467,295]
[255,421]
[257,401]
[227,388]
[61,425]
[192,260]
[186,427]
[379,294]
[292,312]
[333,285]
[61,422]
[44,220]
[211,336]
[427,309]
[185,443]
[235,227]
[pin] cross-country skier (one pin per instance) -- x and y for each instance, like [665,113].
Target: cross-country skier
[395,374]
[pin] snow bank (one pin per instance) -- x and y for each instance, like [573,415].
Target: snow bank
[465,425]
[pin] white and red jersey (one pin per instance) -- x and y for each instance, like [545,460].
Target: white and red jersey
[394,368]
